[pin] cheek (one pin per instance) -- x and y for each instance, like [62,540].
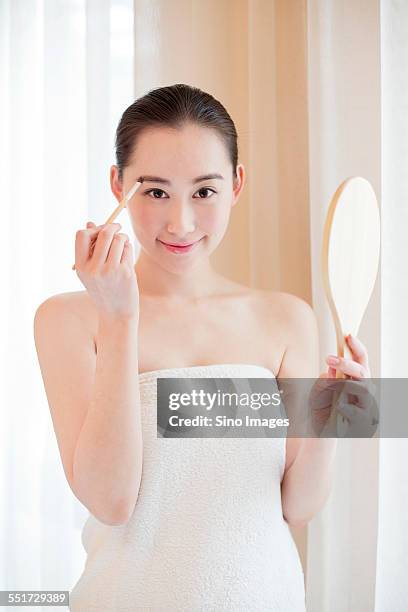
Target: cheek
[220,221]
[144,217]
[144,222]
[213,220]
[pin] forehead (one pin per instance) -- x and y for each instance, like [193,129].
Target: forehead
[191,148]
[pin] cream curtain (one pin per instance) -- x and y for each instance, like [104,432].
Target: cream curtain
[66,74]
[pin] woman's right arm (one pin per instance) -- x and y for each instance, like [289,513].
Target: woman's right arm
[95,405]
[94,398]
[107,463]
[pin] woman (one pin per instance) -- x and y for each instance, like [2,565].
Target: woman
[181,524]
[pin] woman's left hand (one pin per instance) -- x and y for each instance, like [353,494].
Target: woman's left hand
[357,367]
[359,406]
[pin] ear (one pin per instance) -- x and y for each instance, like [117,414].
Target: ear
[115,183]
[239,182]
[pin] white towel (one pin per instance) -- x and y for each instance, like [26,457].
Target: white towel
[207,532]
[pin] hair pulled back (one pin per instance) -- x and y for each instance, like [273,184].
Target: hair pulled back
[173,106]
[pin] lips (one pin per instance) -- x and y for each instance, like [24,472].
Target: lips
[181,244]
[180,248]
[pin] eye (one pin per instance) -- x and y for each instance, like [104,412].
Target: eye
[160,191]
[155,190]
[206,189]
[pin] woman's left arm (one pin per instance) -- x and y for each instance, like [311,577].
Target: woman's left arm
[309,464]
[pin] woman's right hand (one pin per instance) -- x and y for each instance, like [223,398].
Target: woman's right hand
[104,264]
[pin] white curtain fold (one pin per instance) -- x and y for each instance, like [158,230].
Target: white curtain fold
[358,91]
[66,73]
[392,544]
[344,140]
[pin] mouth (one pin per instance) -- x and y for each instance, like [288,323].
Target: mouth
[180,248]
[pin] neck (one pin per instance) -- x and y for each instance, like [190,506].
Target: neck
[156,282]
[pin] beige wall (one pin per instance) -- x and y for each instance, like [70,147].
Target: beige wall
[251,56]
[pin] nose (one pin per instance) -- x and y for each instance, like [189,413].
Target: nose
[181,220]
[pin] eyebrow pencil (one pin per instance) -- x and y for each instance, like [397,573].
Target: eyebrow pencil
[123,203]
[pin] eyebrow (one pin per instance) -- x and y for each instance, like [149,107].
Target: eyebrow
[157,179]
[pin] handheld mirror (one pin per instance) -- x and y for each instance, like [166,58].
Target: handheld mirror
[350,259]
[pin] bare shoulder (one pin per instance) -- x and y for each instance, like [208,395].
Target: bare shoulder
[77,302]
[290,324]
[275,309]
[292,311]
[283,315]
[289,302]
[67,360]
[73,304]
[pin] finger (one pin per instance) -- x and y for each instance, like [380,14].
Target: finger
[323,390]
[84,242]
[331,373]
[350,367]
[358,393]
[94,233]
[351,411]
[116,249]
[127,255]
[358,351]
[103,243]
[355,387]
[363,399]
[347,410]
[365,421]
[359,387]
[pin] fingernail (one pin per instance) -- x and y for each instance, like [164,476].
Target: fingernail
[333,360]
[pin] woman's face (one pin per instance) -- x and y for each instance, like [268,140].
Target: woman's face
[173,205]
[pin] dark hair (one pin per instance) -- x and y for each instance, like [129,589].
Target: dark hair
[173,106]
